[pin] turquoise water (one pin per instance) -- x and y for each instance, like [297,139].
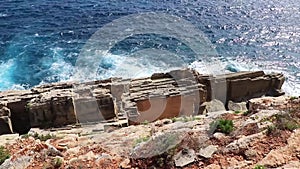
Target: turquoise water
[41,40]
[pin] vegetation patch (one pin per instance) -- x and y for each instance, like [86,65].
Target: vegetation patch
[237,112]
[245,113]
[285,122]
[293,98]
[185,119]
[146,122]
[57,162]
[40,136]
[222,125]
[4,154]
[259,167]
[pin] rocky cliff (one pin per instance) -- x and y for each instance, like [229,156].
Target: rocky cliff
[132,101]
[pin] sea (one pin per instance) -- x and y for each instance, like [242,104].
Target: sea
[41,41]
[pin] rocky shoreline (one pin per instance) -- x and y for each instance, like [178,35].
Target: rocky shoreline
[244,131]
[129,101]
[267,135]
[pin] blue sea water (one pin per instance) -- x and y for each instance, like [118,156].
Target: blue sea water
[40,40]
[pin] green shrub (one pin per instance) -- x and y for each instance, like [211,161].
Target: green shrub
[293,98]
[245,113]
[185,118]
[285,122]
[4,154]
[40,136]
[222,125]
[272,130]
[57,162]
[146,122]
[237,112]
[259,167]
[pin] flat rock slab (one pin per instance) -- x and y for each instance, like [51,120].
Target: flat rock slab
[208,151]
[184,157]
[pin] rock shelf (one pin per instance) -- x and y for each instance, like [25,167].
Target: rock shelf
[129,101]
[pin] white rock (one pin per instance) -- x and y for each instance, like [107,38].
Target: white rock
[208,151]
[237,106]
[184,157]
[213,106]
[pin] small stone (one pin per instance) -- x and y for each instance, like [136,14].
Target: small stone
[125,164]
[250,154]
[208,151]
[73,160]
[237,106]
[103,156]
[52,151]
[184,157]
[74,150]
[219,136]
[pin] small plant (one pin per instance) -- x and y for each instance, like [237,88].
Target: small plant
[39,136]
[291,125]
[237,112]
[286,122]
[259,167]
[4,154]
[57,162]
[185,118]
[245,113]
[272,130]
[174,119]
[146,122]
[293,98]
[222,125]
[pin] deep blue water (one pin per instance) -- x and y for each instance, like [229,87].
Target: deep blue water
[41,40]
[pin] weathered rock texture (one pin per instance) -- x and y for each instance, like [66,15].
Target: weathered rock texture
[163,95]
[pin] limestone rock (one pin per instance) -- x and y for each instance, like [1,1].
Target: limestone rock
[125,163]
[8,139]
[219,136]
[242,143]
[208,151]
[214,106]
[20,162]
[283,155]
[237,106]
[163,95]
[291,165]
[159,144]
[184,157]
[250,154]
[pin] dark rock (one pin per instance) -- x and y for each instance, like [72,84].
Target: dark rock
[5,125]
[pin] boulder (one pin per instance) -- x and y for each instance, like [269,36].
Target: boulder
[5,125]
[4,111]
[213,106]
[237,106]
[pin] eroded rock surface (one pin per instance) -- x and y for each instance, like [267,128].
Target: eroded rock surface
[129,101]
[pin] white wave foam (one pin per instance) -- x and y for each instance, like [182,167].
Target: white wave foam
[6,69]
[59,70]
[3,15]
